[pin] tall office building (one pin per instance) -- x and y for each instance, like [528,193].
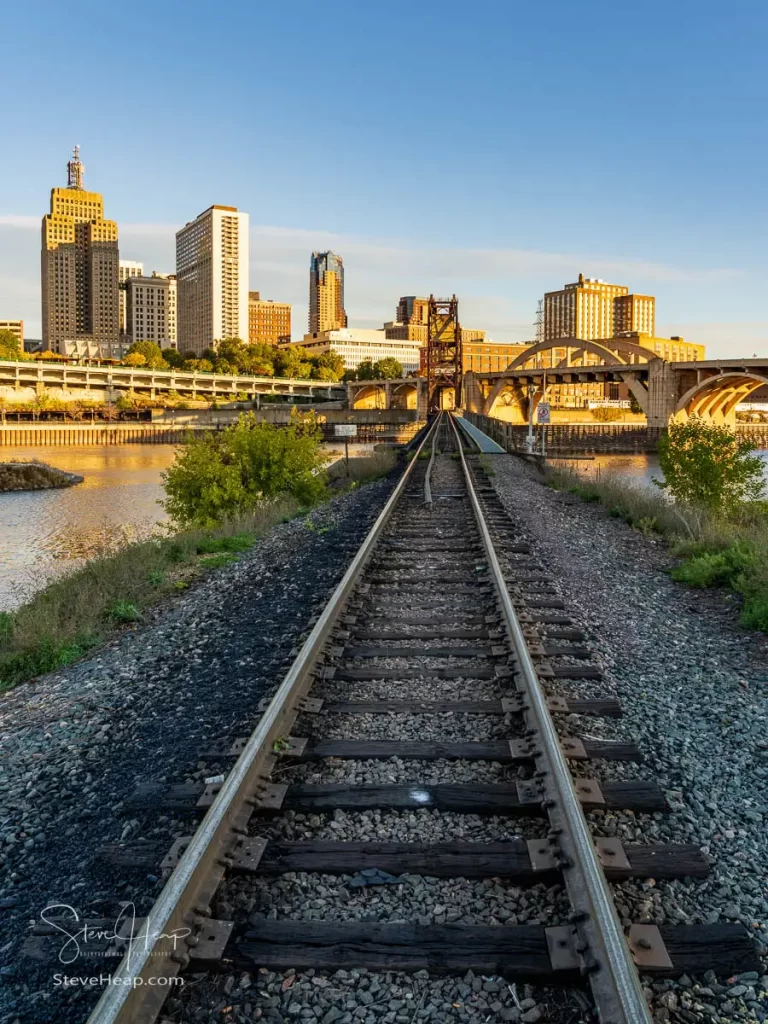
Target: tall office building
[591,308]
[151,308]
[79,271]
[125,270]
[212,278]
[412,309]
[326,293]
[269,323]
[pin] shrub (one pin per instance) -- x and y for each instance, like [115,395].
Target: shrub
[709,468]
[606,413]
[218,476]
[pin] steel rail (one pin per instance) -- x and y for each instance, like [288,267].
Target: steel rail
[140,983]
[613,976]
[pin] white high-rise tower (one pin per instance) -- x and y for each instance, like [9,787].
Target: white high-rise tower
[212,278]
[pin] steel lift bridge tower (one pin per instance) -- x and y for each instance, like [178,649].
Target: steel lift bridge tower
[444,359]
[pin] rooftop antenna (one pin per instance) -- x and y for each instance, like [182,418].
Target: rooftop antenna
[75,171]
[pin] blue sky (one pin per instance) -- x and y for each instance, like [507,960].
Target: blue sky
[494,149]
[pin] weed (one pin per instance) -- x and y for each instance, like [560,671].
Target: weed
[156,578]
[124,611]
[216,561]
[648,525]
[210,545]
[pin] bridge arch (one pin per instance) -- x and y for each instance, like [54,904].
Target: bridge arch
[372,396]
[405,395]
[607,355]
[715,398]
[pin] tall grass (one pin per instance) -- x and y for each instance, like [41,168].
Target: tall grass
[114,588]
[364,468]
[711,551]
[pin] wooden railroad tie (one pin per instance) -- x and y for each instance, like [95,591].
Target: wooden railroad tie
[503,799]
[516,952]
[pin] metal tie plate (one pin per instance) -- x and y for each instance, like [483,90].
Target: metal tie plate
[588,791]
[271,797]
[559,705]
[561,946]
[541,854]
[211,940]
[248,853]
[647,947]
[612,854]
[573,748]
[172,858]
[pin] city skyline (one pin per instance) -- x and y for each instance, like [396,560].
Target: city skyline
[566,162]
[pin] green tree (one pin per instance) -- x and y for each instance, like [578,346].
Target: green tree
[331,361]
[10,346]
[324,373]
[365,370]
[217,476]
[135,359]
[292,362]
[708,468]
[151,352]
[387,369]
[232,351]
[173,358]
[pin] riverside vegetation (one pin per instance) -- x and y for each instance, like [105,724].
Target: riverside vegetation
[714,514]
[223,492]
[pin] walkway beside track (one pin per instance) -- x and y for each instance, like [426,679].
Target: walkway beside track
[486,445]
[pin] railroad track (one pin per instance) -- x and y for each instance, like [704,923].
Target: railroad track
[421,733]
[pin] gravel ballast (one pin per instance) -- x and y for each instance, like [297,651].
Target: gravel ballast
[692,685]
[144,708]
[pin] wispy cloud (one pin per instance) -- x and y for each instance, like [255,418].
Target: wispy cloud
[11,220]
[498,287]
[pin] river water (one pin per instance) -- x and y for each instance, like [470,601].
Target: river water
[46,533]
[43,533]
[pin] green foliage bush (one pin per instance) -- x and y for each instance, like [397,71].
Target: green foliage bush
[714,568]
[219,476]
[709,468]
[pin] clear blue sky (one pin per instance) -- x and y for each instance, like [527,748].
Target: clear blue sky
[495,149]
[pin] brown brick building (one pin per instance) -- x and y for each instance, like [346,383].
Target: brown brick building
[269,323]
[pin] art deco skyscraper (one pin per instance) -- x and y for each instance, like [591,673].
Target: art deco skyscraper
[79,271]
[326,293]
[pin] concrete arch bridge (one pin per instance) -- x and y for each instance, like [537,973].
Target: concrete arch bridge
[406,393]
[665,391]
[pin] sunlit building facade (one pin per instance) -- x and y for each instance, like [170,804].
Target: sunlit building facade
[79,270]
[212,278]
[326,293]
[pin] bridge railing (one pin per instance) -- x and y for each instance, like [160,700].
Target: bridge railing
[572,437]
